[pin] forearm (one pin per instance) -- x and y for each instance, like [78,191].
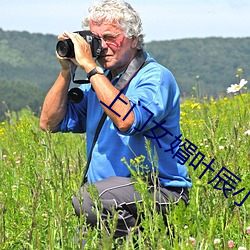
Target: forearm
[106,93]
[55,103]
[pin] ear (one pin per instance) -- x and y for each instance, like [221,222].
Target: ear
[134,42]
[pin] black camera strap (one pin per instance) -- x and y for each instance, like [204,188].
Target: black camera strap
[136,64]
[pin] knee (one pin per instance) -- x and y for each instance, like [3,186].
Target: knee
[77,206]
[84,205]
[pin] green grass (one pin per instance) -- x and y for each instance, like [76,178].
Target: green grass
[40,172]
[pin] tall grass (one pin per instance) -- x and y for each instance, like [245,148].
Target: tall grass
[40,172]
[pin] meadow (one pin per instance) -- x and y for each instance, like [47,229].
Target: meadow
[40,172]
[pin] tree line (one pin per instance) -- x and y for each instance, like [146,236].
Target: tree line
[203,67]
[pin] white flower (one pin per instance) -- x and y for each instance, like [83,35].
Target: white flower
[237,87]
[242,248]
[217,241]
[221,147]
[22,210]
[247,132]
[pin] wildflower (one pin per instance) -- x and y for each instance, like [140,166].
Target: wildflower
[192,240]
[246,133]
[221,147]
[240,70]
[216,241]
[195,105]
[198,182]
[45,216]
[14,188]
[237,87]
[132,162]
[248,230]
[230,244]
[242,248]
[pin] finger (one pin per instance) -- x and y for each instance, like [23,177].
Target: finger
[62,36]
[59,57]
[75,37]
[69,34]
[69,60]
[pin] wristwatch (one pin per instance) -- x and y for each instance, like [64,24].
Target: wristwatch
[96,70]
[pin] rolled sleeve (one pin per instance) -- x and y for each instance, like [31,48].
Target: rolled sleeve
[74,120]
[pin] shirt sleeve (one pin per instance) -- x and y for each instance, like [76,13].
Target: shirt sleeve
[156,98]
[75,117]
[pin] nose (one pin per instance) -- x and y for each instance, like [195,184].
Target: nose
[104,44]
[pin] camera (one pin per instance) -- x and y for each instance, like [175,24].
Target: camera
[65,48]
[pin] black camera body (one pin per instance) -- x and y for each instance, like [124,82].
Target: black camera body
[65,48]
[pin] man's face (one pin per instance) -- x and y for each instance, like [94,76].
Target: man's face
[118,50]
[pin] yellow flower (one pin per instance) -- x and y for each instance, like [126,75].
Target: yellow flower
[132,162]
[138,160]
[240,70]
[195,105]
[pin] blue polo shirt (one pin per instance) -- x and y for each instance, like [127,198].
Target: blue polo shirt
[154,95]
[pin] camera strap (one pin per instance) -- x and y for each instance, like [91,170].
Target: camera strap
[136,64]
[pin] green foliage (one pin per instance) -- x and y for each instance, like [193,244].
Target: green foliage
[14,95]
[28,57]
[210,61]
[40,172]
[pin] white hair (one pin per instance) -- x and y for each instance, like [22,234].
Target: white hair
[120,13]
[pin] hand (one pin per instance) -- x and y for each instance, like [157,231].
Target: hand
[83,54]
[66,63]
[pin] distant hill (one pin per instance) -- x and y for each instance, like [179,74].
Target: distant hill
[28,58]
[211,63]
[28,66]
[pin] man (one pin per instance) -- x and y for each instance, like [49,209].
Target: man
[141,100]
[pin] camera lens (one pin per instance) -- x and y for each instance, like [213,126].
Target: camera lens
[75,95]
[65,48]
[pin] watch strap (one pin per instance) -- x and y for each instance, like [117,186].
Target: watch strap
[93,72]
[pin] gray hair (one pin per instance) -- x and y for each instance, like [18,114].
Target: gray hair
[120,13]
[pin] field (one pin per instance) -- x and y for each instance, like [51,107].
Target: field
[40,172]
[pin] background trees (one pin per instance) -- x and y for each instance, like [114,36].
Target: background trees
[203,67]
